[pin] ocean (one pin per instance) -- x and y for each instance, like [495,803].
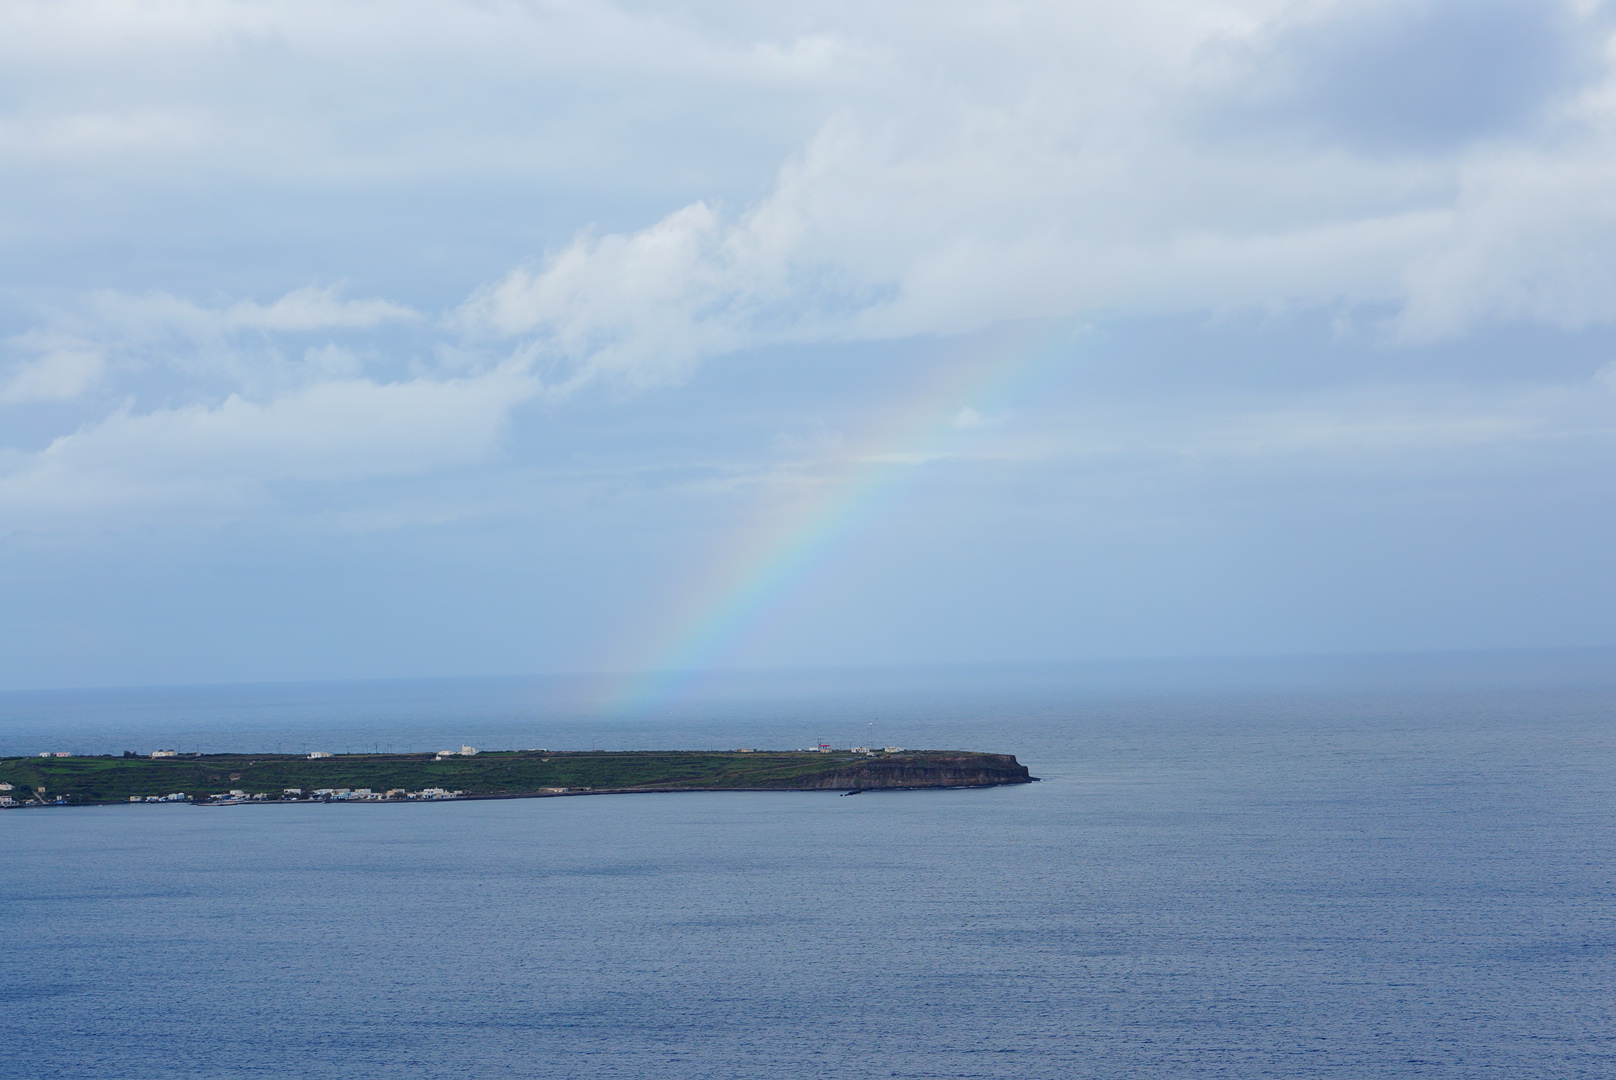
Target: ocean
[1355,876]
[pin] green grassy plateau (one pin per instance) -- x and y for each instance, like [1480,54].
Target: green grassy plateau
[89,780]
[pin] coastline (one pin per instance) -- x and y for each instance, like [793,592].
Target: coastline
[237,779]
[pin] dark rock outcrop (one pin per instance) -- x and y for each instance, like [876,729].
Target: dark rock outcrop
[932,770]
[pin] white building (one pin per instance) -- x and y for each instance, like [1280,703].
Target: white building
[165,753]
[319,754]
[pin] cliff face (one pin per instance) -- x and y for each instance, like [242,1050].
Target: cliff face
[928,771]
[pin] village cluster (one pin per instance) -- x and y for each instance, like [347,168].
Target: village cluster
[36,798]
[323,795]
[827,748]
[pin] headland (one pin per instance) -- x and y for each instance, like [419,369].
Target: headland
[229,779]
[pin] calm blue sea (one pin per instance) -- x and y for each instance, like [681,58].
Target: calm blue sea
[1415,878]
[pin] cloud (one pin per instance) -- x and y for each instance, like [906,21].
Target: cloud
[160,314]
[107,331]
[861,172]
[1046,185]
[1420,76]
[988,224]
[626,305]
[1532,238]
[760,177]
[312,308]
[335,431]
[1385,429]
[64,370]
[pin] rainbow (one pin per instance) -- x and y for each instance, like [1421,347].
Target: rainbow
[756,570]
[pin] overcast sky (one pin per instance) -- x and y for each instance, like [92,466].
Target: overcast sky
[352,339]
